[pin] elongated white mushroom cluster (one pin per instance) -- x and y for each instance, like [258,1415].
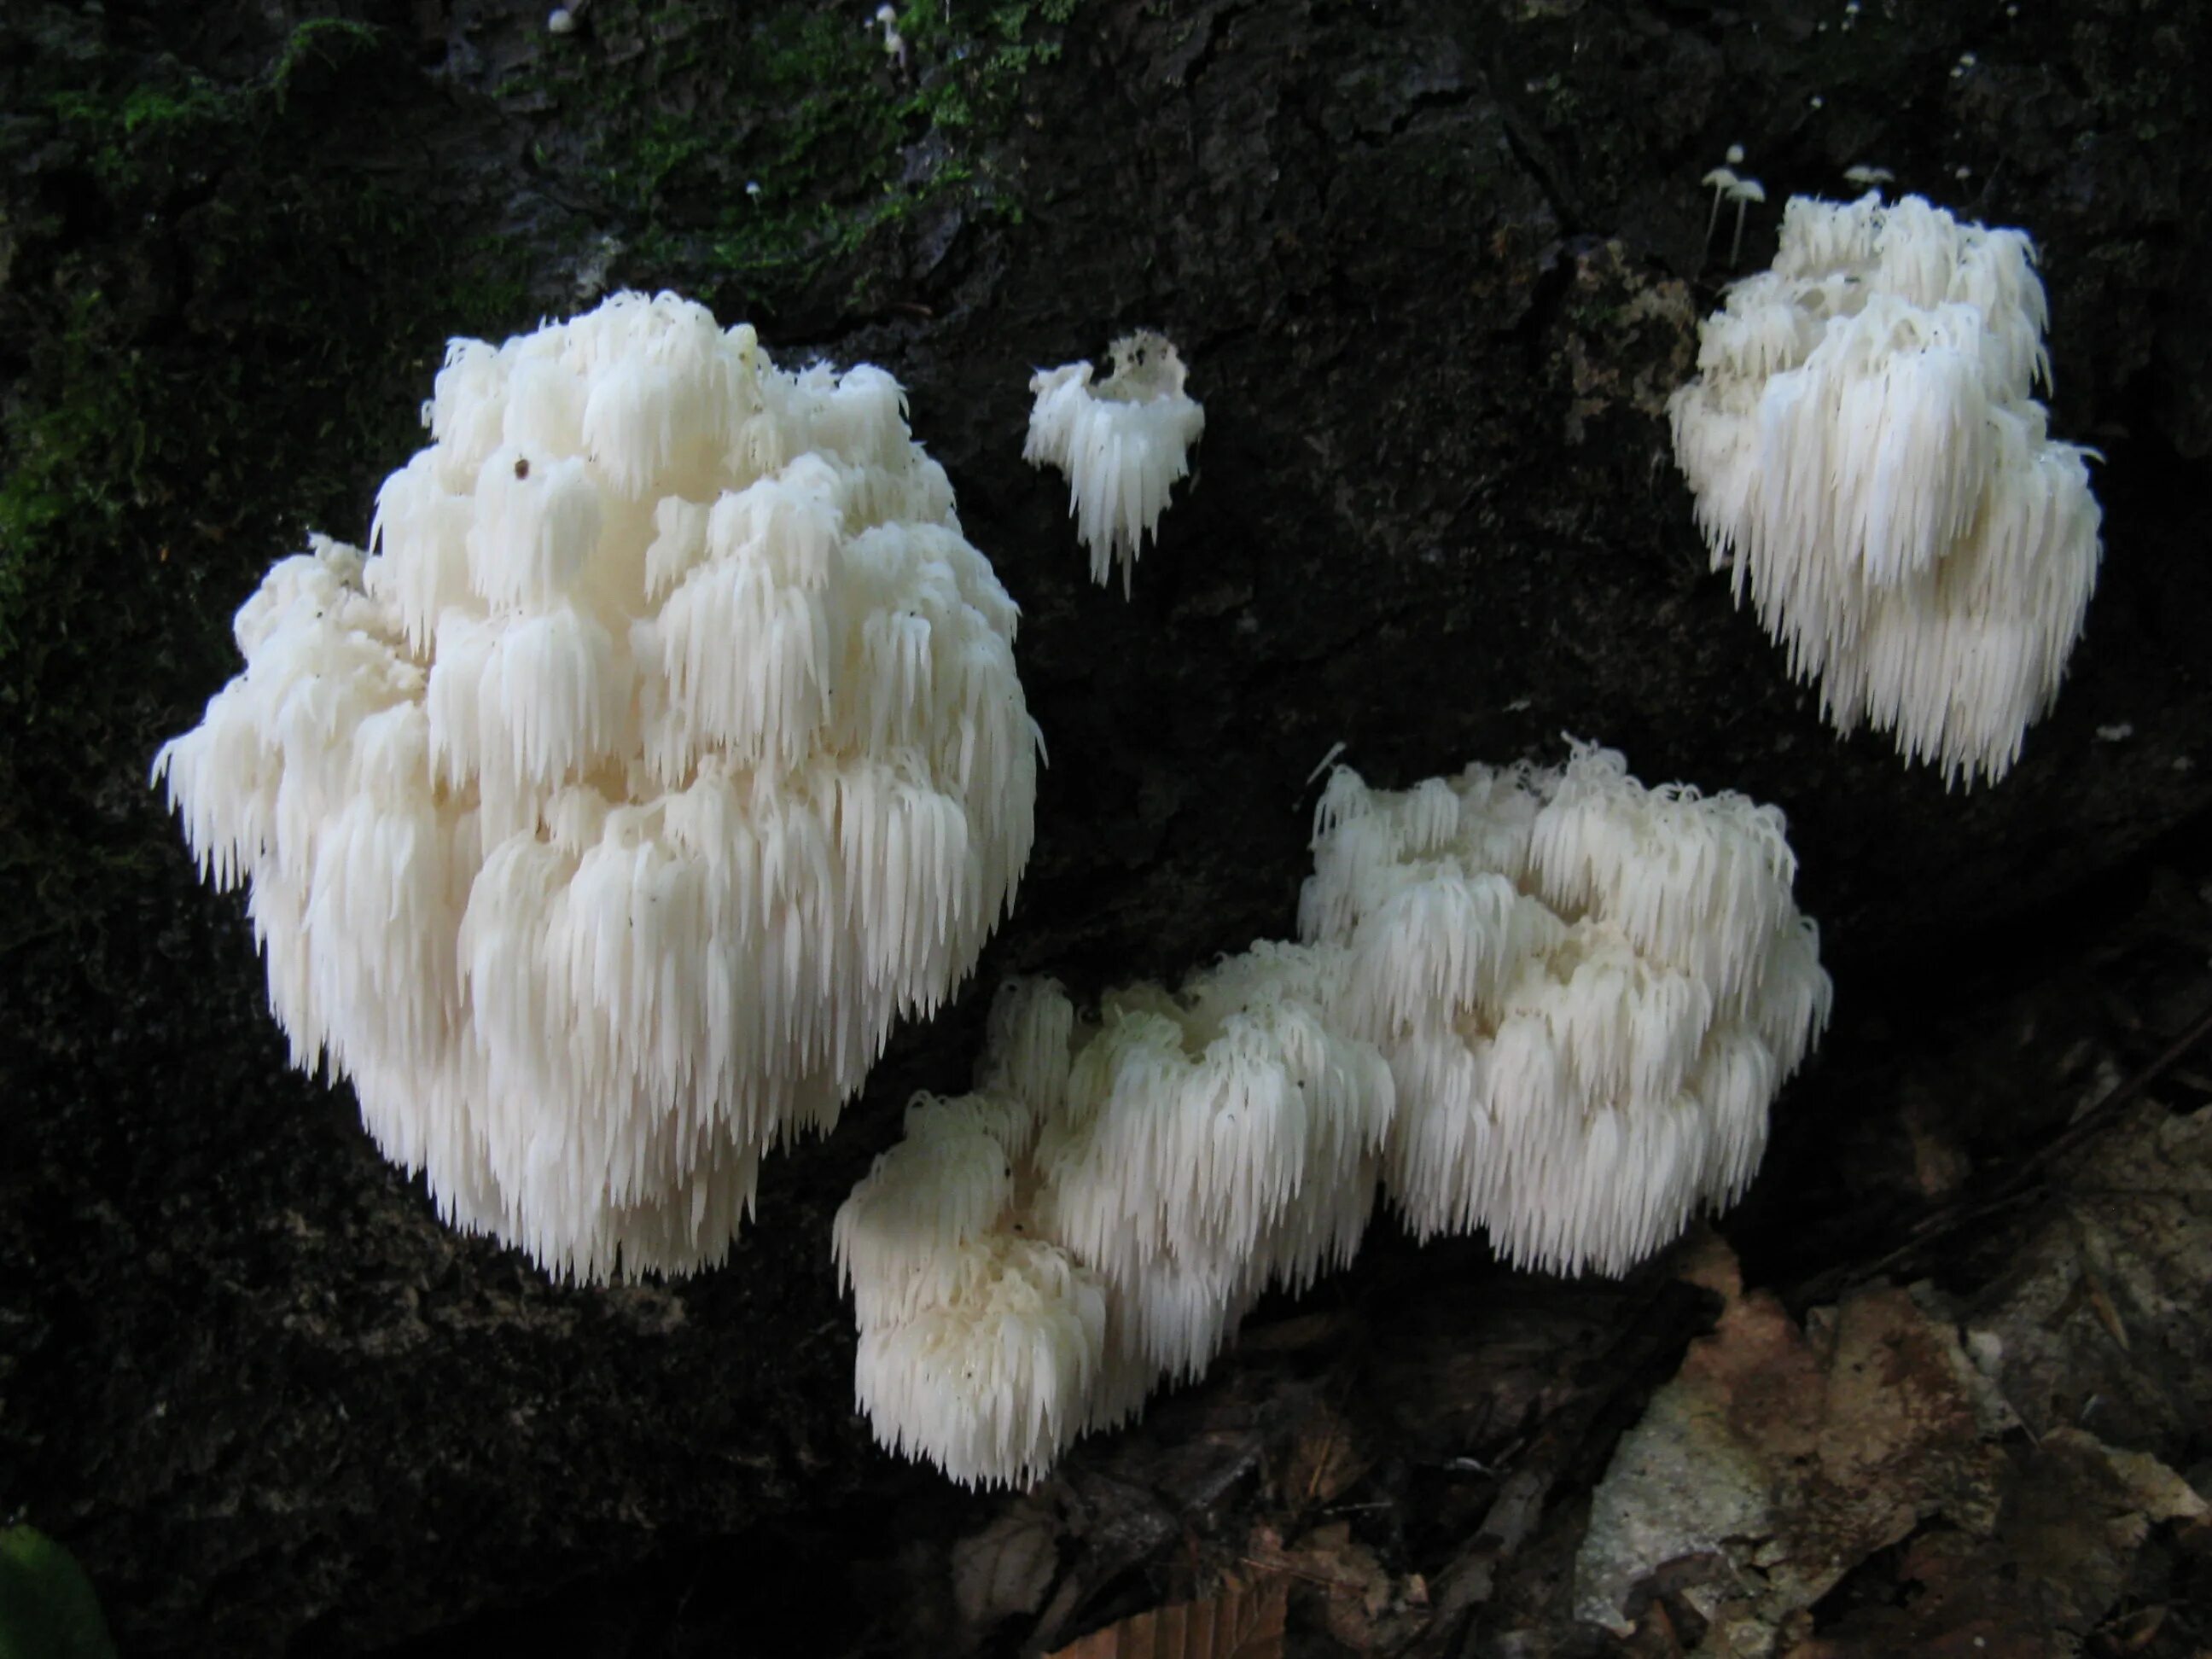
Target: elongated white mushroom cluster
[1587,991]
[1121,444]
[1551,1003]
[1865,447]
[1100,1213]
[600,824]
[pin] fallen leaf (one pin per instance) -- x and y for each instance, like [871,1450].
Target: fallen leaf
[1362,1605]
[1244,1621]
[1781,1457]
[1324,1462]
[1006,1568]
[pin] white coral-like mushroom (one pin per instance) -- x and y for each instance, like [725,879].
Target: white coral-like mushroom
[991,1377]
[1550,1003]
[601,823]
[1867,455]
[1121,444]
[1192,1151]
[1587,992]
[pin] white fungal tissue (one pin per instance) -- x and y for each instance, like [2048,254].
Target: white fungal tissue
[1553,1004]
[1121,444]
[1587,992]
[600,822]
[1869,461]
[1034,1257]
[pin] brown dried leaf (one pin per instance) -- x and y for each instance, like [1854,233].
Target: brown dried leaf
[1363,1606]
[1006,1568]
[1782,1458]
[1324,1462]
[2136,1220]
[1781,1465]
[1244,1621]
[2075,1513]
[2100,1304]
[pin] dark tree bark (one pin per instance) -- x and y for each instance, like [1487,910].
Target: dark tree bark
[1435,268]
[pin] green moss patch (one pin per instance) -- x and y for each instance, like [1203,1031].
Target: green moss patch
[225,302]
[759,152]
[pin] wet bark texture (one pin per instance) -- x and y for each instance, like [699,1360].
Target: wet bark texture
[1435,268]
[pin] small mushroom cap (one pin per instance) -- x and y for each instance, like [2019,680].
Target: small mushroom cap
[1719,179]
[1747,190]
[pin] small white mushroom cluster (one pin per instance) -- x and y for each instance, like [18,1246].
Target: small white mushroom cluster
[601,823]
[1121,444]
[1034,1257]
[1727,186]
[1550,1003]
[1864,447]
[1587,991]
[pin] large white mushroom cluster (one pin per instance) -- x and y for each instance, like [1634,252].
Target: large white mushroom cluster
[1554,1004]
[1865,447]
[1587,991]
[599,823]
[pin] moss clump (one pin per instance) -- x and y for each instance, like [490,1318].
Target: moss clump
[760,155]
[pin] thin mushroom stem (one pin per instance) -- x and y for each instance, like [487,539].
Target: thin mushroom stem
[1745,191]
[1724,181]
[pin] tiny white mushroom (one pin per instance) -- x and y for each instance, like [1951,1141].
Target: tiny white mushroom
[894,42]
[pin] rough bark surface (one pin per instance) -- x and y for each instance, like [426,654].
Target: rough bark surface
[1435,268]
